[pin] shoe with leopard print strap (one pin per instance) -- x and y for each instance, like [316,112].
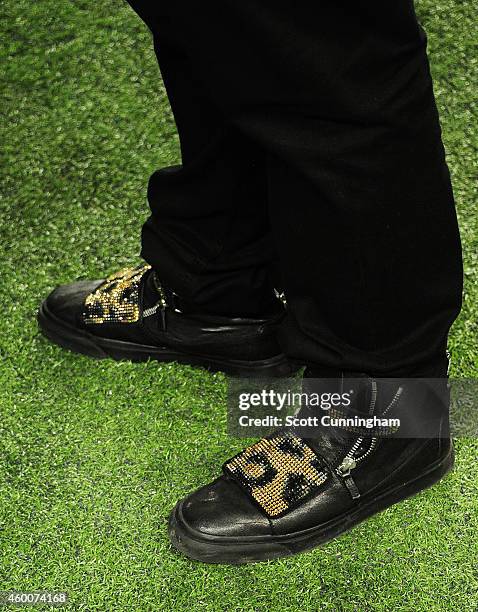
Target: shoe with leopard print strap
[130,315]
[286,494]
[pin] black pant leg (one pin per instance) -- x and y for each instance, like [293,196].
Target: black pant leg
[339,98]
[208,235]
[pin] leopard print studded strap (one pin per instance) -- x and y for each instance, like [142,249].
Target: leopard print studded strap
[116,300]
[278,472]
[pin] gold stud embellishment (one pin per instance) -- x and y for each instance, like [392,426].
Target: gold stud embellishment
[117,299]
[278,472]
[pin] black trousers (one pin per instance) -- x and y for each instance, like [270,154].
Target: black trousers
[311,160]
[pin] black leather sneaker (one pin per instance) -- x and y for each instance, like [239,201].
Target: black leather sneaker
[287,494]
[130,315]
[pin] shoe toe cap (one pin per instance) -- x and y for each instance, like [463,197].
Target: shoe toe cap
[66,302]
[222,509]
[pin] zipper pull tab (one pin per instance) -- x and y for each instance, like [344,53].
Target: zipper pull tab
[344,469]
[163,317]
[163,301]
[352,487]
[161,306]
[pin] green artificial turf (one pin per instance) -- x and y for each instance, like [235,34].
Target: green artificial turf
[94,454]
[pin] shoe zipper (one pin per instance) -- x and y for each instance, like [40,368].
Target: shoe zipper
[350,462]
[160,305]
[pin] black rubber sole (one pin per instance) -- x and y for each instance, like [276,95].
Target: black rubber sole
[80,341]
[240,550]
